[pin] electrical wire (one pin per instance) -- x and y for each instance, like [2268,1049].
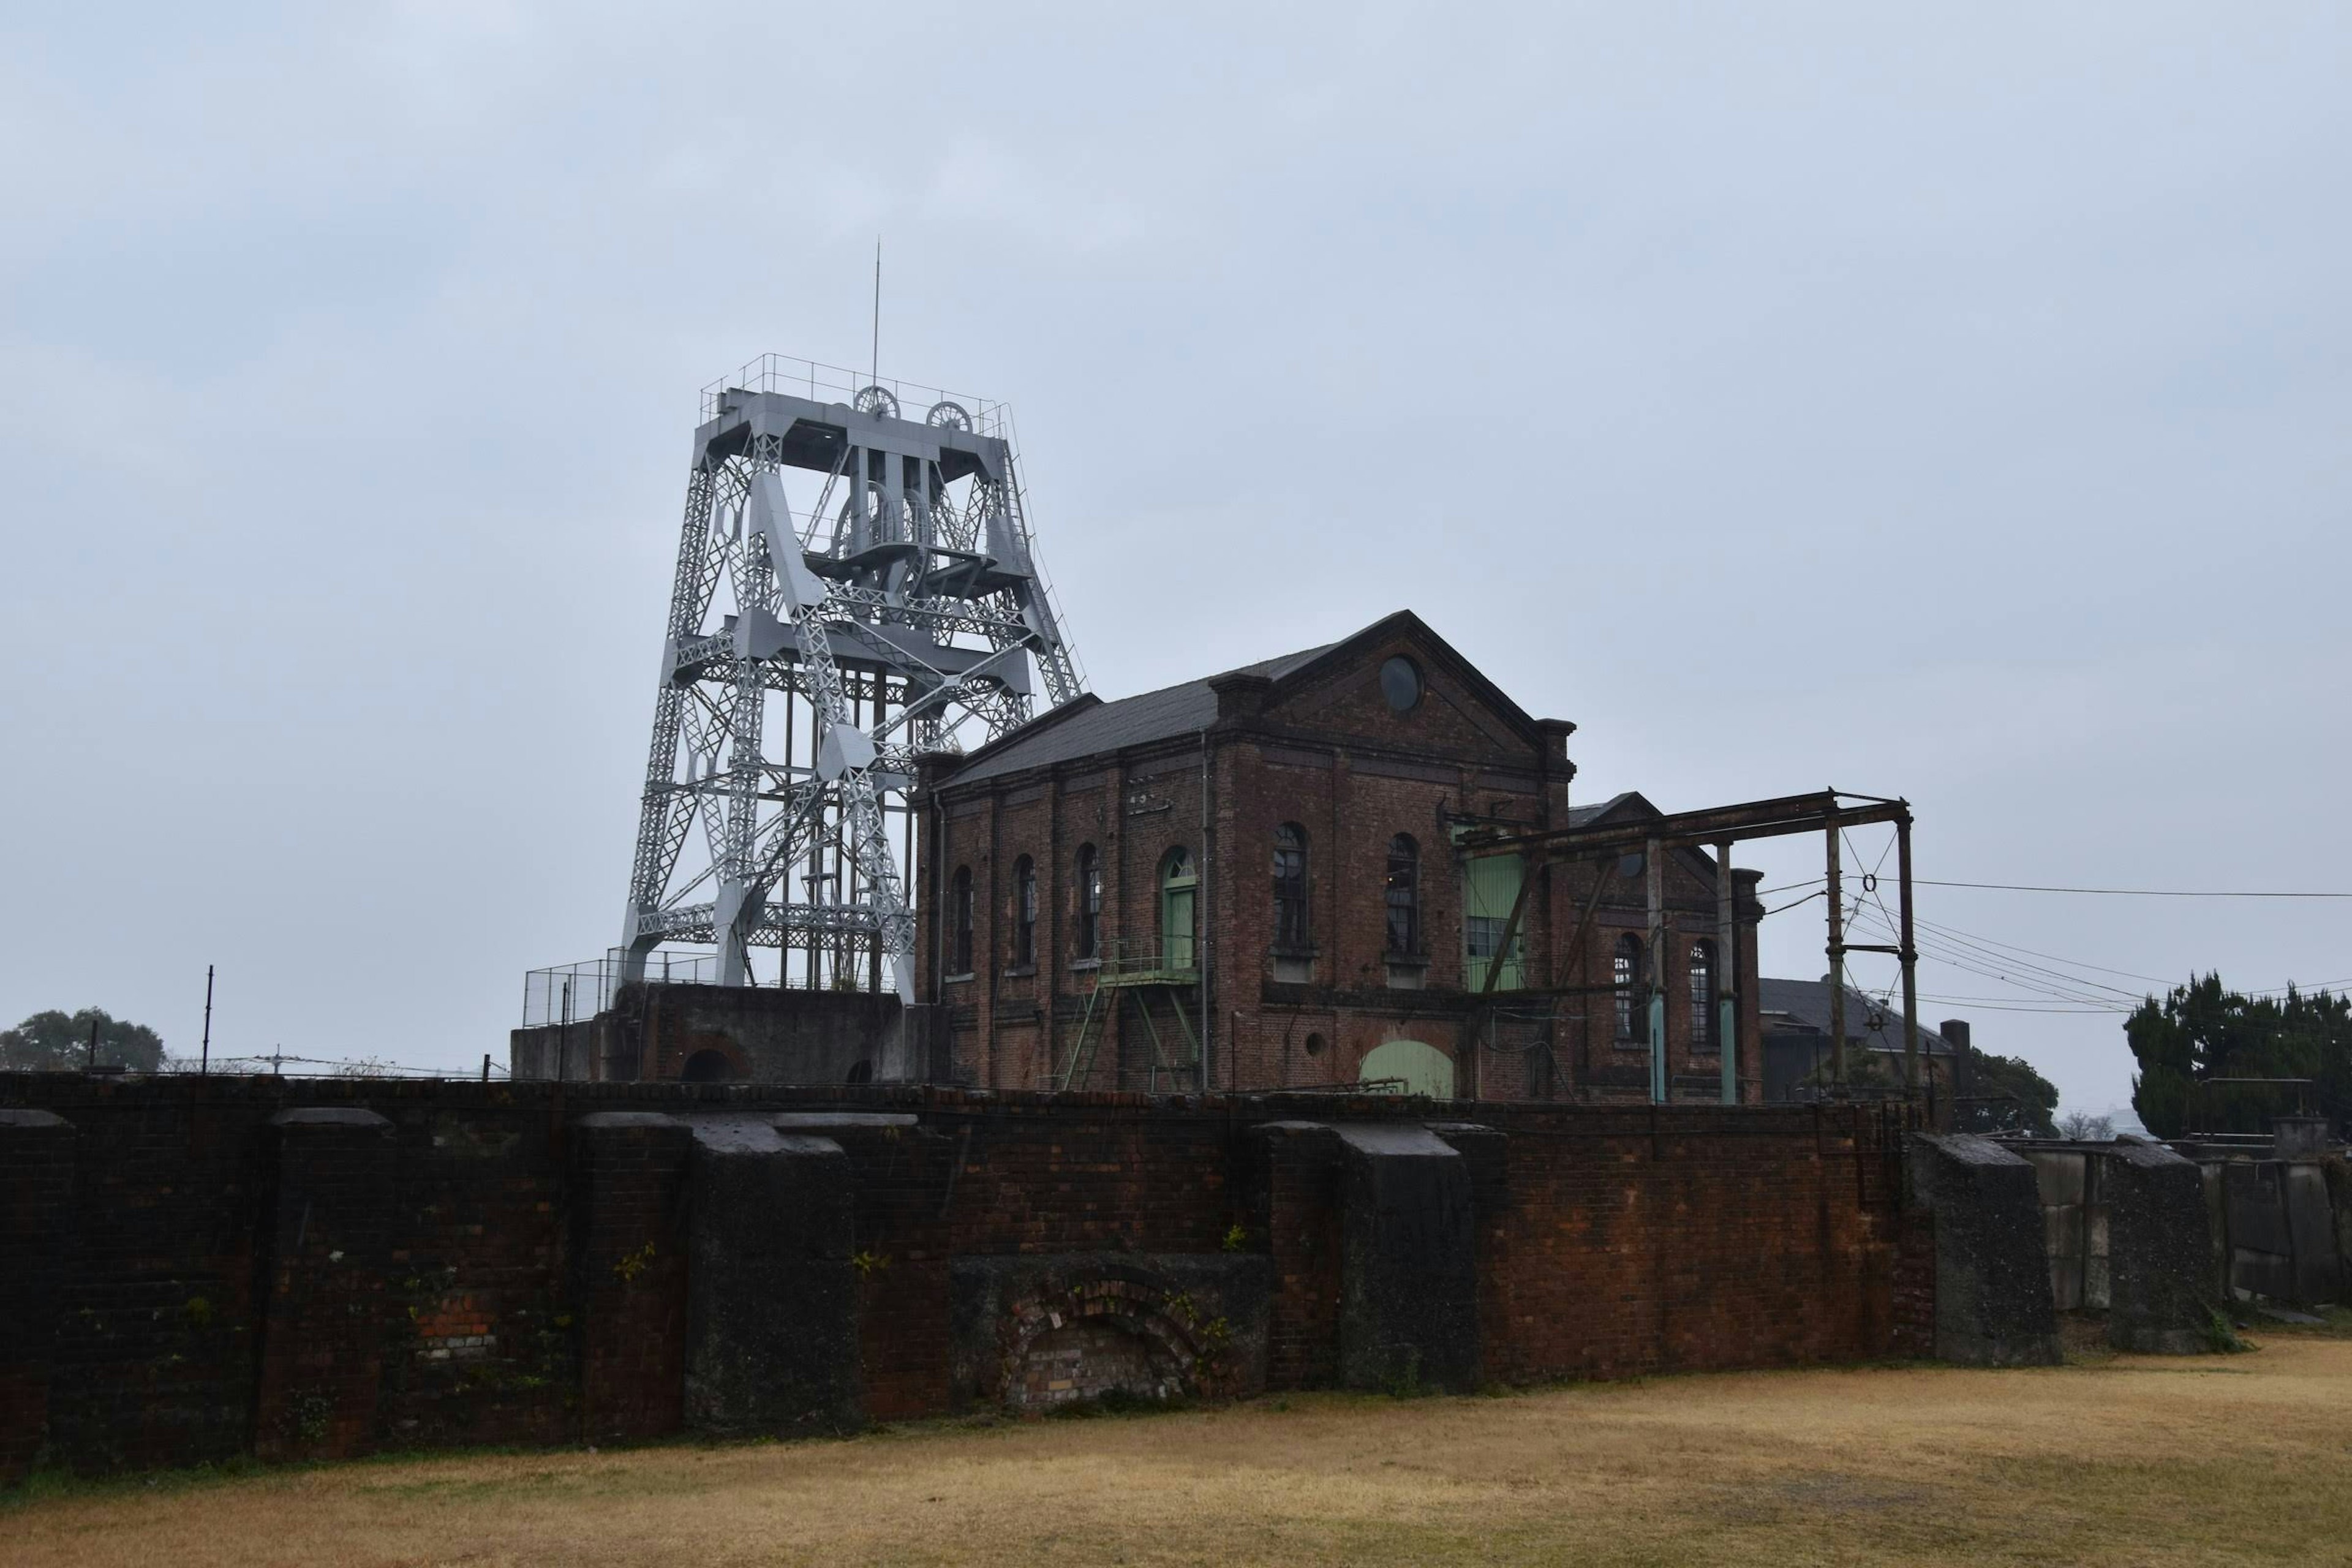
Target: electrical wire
[2119,892]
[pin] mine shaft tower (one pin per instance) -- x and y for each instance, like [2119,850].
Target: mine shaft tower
[856,584]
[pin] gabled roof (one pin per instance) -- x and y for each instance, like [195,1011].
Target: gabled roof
[1806,1002]
[1089,726]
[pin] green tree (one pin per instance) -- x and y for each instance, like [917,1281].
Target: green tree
[2203,1031]
[2004,1094]
[59,1042]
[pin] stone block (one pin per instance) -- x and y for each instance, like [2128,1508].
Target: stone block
[772,1295]
[2159,1251]
[1409,1289]
[1993,1304]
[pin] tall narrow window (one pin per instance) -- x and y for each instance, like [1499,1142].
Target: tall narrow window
[1490,891]
[1178,884]
[1633,1007]
[1024,912]
[1290,887]
[1702,995]
[1403,897]
[959,915]
[1089,892]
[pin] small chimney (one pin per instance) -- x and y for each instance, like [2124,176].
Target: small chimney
[1955,1034]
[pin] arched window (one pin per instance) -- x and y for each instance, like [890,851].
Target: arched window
[1633,1007]
[1409,1066]
[1178,884]
[1290,887]
[1403,897]
[1089,892]
[960,922]
[1702,995]
[1024,912]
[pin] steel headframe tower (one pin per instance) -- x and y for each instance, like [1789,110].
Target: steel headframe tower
[900,611]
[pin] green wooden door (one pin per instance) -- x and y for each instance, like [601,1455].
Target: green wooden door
[1490,887]
[1178,886]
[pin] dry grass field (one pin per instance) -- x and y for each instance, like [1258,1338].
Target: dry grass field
[2112,1459]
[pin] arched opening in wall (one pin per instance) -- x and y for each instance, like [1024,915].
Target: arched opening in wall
[861,1073]
[1092,1361]
[1313,1045]
[1409,1066]
[1103,1339]
[707,1067]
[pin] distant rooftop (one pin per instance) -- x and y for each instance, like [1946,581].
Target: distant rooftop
[1875,1023]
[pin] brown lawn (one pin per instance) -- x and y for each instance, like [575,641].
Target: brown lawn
[2128,1460]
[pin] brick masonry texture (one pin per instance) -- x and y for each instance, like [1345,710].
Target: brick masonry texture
[513,1261]
[1319,751]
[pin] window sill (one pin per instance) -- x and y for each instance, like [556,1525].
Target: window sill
[1086,964]
[1405,960]
[963,978]
[1021,972]
[1309,954]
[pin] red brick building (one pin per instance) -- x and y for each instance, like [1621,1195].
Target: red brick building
[1248,882]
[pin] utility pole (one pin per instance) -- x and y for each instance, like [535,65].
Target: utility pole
[1837,961]
[204,1061]
[1727,959]
[1655,868]
[1910,958]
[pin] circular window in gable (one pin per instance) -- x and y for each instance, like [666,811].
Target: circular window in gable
[1400,684]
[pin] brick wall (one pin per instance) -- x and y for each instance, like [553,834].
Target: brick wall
[327,1266]
[1331,759]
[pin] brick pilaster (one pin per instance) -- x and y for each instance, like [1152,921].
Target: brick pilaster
[628,1272]
[36,1179]
[329,1256]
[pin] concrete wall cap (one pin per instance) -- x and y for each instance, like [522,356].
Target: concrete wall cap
[596,1120]
[2147,1156]
[1396,1139]
[791,1121]
[331,1116]
[754,1135]
[30,1119]
[1968,1149]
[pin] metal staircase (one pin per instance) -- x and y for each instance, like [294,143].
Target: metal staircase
[1148,981]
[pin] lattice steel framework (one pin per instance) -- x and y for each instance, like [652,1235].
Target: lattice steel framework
[901,611]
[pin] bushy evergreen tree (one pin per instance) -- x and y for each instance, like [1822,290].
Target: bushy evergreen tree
[2203,1031]
[59,1042]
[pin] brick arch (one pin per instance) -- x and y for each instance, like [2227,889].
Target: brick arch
[1088,1317]
[720,1046]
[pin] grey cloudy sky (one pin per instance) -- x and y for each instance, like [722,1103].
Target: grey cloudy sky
[1944,402]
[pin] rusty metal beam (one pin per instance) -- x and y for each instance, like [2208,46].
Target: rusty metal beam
[1680,830]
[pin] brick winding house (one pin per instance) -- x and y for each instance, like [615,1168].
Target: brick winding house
[1249,882]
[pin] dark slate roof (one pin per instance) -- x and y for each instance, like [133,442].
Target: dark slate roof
[1087,726]
[1806,1002]
[1580,815]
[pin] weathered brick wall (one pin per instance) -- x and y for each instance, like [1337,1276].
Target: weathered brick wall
[1331,759]
[506,1263]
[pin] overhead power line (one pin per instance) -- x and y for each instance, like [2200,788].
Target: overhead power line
[2119,892]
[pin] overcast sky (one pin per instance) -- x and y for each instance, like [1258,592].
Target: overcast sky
[1950,405]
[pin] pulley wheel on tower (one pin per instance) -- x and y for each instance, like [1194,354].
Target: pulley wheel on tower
[876,400]
[947,416]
